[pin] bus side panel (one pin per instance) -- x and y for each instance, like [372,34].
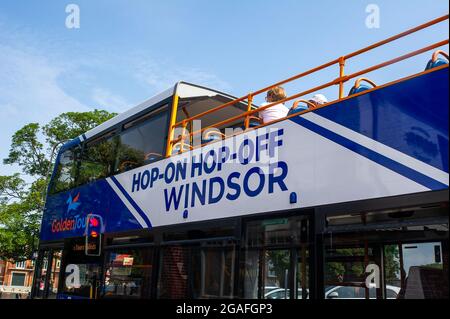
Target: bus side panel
[65,213]
[409,116]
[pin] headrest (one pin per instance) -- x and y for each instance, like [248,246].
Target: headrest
[358,87]
[361,88]
[298,109]
[435,64]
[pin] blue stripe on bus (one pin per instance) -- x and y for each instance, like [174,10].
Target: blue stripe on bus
[132,202]
[371,155]
[410,116]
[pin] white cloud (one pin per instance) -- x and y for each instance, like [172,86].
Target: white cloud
[104,99]
[29,92]
[162,75]
[29,84]
[37,73]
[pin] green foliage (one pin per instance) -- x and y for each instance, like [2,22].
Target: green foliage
[28,152]
[21,204]
[72,124]
[19,225]
[392,263]
[97,161]
[339,271]
[11,187]
[344,271]
[279,263]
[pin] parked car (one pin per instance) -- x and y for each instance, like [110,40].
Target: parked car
[349,292]
[268,289]
[282,293]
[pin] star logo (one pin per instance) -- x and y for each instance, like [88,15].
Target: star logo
[73,203]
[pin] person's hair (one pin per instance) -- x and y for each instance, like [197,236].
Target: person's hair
[276,94]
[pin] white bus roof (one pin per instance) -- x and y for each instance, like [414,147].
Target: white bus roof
[182,89]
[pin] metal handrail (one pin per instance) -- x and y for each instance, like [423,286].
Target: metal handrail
[341,61]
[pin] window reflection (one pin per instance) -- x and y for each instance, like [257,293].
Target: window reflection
[128,273]
[173,272]
[276,257]
[412,263]
[251,274]
[81,280]
[65,171]
[142,142]
[214,273]
[201,271]
[277,272]
[97,160]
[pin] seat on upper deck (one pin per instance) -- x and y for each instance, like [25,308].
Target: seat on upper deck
[253,121]
[435,61]
[358,87]
[212,136]
[297,107]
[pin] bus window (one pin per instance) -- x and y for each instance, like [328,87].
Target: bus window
[199,271]
[81,280]
[128,273]
[213,272]
[142,142]
[276,258]
[390,255]
[65,171]
[250,268]
[97,160]
[276,273]
[345,270]
[173,272]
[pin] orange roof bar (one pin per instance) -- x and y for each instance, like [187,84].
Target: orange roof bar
[260,91]
[401,58]
[398,36]
[345,78]
[330,103]
[339,81]
[340,60]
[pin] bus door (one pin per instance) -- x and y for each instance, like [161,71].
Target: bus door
[387,255]
[81,274]
[275,262]
[198,269]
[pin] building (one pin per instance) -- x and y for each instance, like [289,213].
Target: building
[16,278]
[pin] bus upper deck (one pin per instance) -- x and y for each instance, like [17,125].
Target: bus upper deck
[187,102]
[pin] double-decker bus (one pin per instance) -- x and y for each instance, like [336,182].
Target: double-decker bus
[191,195]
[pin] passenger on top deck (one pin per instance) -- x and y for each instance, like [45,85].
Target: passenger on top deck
[277,111]
[318,100]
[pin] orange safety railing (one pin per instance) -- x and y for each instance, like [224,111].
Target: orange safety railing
[341,62]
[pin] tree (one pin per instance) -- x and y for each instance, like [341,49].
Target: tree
[34,149]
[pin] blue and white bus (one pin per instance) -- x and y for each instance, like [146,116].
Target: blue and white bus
[190,195]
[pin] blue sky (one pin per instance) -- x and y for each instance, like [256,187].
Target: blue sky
[126,51]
